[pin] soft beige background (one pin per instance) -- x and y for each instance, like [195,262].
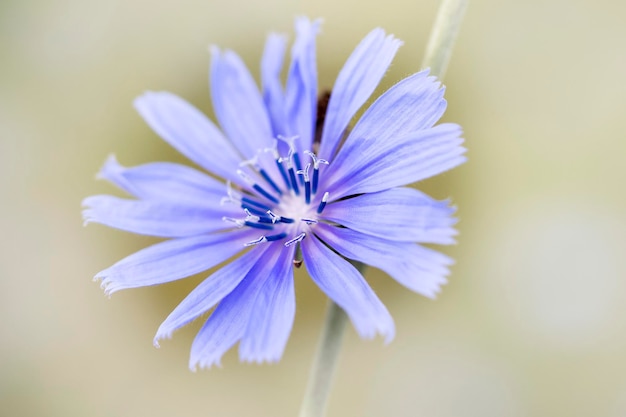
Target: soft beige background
[533,322]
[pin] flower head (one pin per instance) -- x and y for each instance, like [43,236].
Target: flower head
[338,198]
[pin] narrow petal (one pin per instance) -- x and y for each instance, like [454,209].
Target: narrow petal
[228,323]
[400,214]
[273,94]
[171,260]
[420,269]
[190,132]
[163,181]
[356,82]
[210,292]
[238,104]
[157,218]
[273,314]
[376,165]
[346,287]
[413,104]
[302,83]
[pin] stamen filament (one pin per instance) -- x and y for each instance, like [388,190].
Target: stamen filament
[252,202]
[316,168]
[248,179]
[307,184]
[283,173]
[279,163]
[298,164]
[262,239]
[267,220]
[258,225]
[294,181]
[265,194]
[250,217]
[275,217]
[320,208]
[270,181]
[286,220]
[307,191]
[238,222]
[257,219]
[253,210]
[316,161]
[316,177]
[232,194]
[272,238]
[295,239]
[252,162]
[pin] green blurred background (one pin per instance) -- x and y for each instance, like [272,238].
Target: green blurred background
[533,320]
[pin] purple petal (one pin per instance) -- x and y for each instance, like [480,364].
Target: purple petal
[273,94]
[346,287]
[400,214]
[420,269]
[356,82]
[171,260]
[377,165]
[238,104]
[157,218]
[164,181]
[210,291]
[190,132]
[413,104]
[228,322]
[301,90]
[273,314]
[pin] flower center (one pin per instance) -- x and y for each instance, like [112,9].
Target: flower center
[282,199]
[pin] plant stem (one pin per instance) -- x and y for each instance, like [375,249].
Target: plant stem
[443,35]
[323,370]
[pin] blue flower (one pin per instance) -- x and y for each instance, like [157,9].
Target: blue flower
[292,187]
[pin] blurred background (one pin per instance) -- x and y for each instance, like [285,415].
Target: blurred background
[533,321]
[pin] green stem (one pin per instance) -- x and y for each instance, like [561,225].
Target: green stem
[323,370]
[443,35]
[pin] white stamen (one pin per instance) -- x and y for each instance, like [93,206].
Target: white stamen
[292,149]
[252,162]
[275,217]
[251,217]
[305,172]
[238,222]
[262,239]
[274,150]
[295,240]
[289,158]
[289,140]
[246,177]
[325,197]
[232,194]
[316,161]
